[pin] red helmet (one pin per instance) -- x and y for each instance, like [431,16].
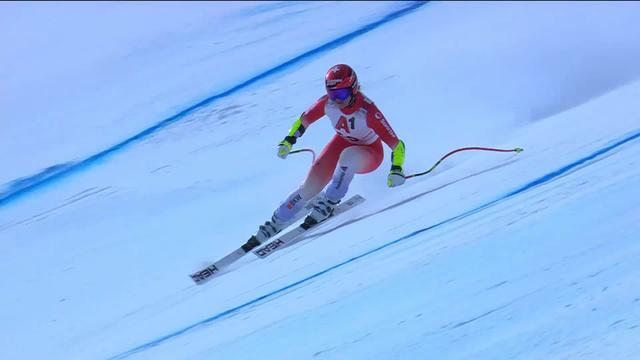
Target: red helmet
[341,76]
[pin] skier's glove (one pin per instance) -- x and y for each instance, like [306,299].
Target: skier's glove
[296,131]
[396,177]
[285,146]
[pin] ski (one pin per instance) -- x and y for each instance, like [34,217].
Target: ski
[208,272]
[295,235]
[214,269]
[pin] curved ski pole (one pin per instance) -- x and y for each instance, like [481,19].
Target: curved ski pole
[516,150]
[305,150]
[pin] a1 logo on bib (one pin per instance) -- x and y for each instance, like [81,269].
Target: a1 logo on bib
[344,124]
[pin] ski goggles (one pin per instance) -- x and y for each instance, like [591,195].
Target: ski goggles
[339,94]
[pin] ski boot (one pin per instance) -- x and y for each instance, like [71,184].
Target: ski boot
[266,231]
[322,209]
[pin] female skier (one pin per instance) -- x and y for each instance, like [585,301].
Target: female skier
[355,149]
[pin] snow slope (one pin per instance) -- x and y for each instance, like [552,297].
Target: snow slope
[494,256]
[159,59]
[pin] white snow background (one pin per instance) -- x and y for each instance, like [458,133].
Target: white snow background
[137,144]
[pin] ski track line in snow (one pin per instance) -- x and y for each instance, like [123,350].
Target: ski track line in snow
[69,201]
[257,301]
[27,185]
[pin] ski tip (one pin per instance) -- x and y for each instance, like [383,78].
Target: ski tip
[205,274]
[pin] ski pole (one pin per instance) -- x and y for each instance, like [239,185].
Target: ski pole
[516,150]
[305,150]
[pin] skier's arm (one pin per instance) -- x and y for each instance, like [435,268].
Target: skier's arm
[315,112]
[379,124]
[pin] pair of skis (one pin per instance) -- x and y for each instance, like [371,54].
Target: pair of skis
[264,250]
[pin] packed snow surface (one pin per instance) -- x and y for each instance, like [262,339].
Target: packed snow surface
[138,145]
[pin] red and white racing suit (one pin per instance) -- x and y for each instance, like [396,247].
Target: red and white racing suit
[355,149]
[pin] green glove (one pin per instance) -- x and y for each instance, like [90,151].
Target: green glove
[285,147]
[396,177]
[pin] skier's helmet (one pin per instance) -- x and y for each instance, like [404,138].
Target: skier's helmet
[341,82]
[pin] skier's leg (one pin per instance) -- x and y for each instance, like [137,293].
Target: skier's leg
[318,177]
[323,168]
[375,155]
[353,160]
